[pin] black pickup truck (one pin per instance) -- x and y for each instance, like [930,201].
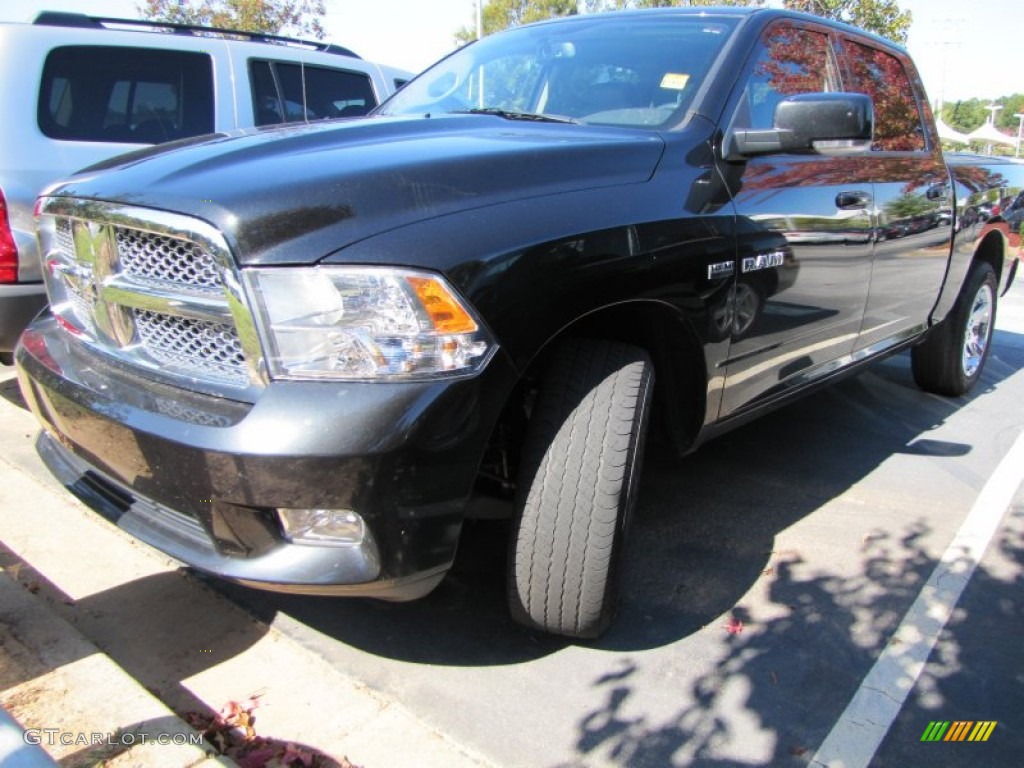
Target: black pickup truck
[300,358]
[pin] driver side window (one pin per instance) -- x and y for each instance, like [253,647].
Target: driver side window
[792,60]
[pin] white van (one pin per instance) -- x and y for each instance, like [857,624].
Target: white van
[77,89]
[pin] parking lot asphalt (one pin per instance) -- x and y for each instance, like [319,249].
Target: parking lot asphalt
[767,576]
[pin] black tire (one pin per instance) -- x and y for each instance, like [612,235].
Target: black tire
[577,485]
[952,358]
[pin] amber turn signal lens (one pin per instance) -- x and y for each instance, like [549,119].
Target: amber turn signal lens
[445,312]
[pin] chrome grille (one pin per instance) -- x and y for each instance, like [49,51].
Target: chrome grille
[77,295]
[167,259]
[65,240]
[153,289]
[207,348]
[82,308]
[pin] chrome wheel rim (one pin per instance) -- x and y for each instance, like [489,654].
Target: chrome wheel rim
[978,331]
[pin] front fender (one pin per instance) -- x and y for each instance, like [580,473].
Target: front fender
[531,268]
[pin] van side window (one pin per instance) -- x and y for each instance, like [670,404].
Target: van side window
[289,93]
[881,76]
[125,95]
[792,60]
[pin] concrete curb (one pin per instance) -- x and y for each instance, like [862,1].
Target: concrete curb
[68,701]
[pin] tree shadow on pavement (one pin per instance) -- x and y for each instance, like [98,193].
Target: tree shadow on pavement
[976,672]
[779,685]
[704,530]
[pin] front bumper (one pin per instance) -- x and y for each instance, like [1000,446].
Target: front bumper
[19,303]
[199,477]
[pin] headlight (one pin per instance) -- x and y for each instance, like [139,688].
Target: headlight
[364,323]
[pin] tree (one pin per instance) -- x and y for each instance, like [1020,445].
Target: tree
[965,116]
[301,17]
[883,17]
[503,14]
[1012,105]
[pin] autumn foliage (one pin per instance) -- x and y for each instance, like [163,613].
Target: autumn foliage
[301,17]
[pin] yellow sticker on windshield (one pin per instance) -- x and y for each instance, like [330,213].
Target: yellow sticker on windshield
[674,82]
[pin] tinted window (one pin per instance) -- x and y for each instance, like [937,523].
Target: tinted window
[136,95]
[288,93]
[882,77]
[641,72]
[792,60]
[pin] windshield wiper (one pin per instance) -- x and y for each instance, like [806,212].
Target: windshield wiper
[510,115]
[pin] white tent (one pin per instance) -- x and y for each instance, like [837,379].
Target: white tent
[948,133]
[989,134]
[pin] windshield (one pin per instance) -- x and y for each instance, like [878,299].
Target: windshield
[633,71]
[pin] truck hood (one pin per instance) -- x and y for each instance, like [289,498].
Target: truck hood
[295,194]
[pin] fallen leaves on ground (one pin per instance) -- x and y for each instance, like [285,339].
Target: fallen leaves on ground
[232,732]
[734,626]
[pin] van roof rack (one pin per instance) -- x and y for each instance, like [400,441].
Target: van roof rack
[83,21]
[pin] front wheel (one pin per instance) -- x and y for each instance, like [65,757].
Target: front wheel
[577,485]
[951,359]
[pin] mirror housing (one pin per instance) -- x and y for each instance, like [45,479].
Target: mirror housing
[829,123]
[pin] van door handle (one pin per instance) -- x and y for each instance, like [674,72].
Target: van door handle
[853,200]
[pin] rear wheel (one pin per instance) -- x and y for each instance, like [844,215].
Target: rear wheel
[577,485]
[953,356]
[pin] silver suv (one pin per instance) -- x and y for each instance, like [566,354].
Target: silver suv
[77,89]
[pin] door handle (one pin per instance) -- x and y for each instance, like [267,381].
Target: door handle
[853,200]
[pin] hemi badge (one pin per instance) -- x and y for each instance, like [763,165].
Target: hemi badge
[721,269]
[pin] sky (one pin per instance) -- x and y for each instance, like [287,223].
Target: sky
[962,49]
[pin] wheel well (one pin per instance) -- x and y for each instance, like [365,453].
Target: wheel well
[991,250]
[680,386]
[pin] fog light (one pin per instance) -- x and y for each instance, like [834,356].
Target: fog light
[324,527]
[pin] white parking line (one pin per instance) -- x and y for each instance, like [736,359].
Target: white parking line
[859,732]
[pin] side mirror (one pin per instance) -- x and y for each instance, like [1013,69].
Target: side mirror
[830,123]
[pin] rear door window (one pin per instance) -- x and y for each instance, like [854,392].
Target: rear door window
[287,93]
[898,126]
[125,95]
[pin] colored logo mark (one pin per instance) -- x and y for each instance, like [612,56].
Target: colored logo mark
[958,730]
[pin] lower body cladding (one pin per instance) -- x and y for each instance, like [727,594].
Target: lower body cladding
[316,488]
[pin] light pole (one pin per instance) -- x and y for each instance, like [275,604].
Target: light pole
[993,108]
[947,32]
[1020,129]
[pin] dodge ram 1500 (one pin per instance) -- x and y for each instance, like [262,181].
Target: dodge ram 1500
[300,358]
